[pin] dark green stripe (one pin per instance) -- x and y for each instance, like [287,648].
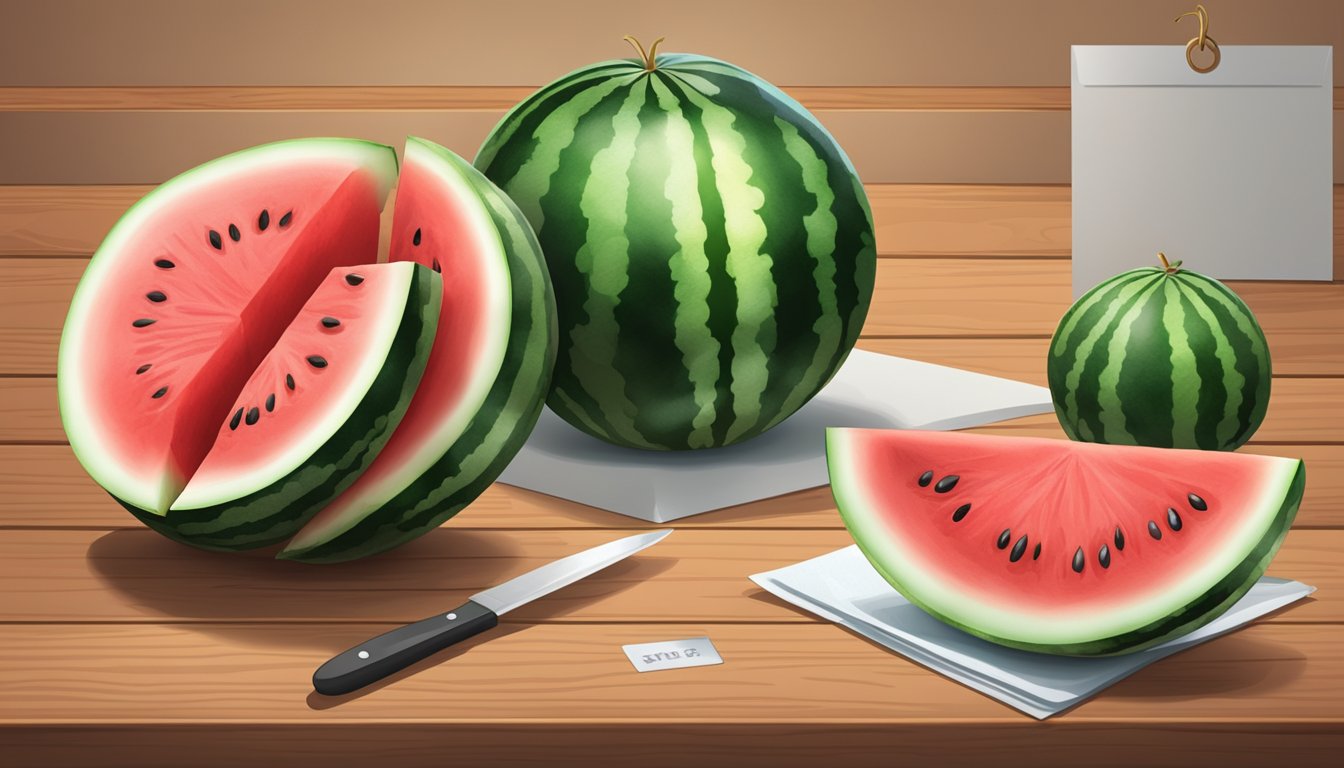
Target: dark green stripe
[1212,390]
[1088,397]
[1143,392]
[1252,357]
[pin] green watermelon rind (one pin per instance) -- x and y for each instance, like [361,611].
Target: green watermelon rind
[734,297]
[503,421]
[272,514]
[379,159]
[1200,610]
[1177,388]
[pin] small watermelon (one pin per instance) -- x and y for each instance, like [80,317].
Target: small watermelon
[1058,546]
[1160,356]
[233,362]
[710,244]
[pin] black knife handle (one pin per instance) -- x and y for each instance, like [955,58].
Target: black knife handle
[378,657]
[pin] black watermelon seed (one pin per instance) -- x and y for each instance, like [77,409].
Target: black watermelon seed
[317,361]
[142,369]
[354,279]
[1035,555]
[142,322]
[164,264]
[437,268]
[1119,538]
[1154,531]
[264,220]
[1196,502]
[237,419]
[415,239]
[286,219]
[289,380]
[156,296]
[1004,537]
[215,241]
[162,391]
[234,234]
[270,402]
[926,478]
[1173,519]
[960,514]
[1018,550]
[330,322]
[252,415]
[1104,556]
[946,484]
[1078,561]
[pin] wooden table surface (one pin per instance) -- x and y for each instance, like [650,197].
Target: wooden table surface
[120,647]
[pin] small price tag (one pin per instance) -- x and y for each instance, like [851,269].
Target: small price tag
[672,654]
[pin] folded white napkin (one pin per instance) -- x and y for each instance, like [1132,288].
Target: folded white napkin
[844,588]
[871,390]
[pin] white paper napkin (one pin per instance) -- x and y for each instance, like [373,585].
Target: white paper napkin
[871,390]
[844,588]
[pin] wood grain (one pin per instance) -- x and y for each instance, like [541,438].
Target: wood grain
[694,576]
[1279,674]
[930,297]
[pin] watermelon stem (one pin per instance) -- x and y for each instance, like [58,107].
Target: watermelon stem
[650,58]
[1170,268]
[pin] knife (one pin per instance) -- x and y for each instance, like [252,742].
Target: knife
[374,659]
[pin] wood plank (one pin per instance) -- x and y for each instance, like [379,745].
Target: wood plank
[145,677]
[44,487]
[929,297]
[430,98]
[898,42]
[653,744]
[149,147]
[955,220]
[693,576]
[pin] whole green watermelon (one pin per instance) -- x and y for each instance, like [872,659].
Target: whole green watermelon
[1160,356]
[711,247]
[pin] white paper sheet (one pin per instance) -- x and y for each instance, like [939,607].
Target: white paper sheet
[1229,171]
[871,390]
[843,587]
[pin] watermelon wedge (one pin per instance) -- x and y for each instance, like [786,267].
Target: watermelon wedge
[486,378]
[316,410]
[1057,546]
[191,289]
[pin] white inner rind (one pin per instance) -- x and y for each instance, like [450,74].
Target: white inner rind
[154,491]
[385,312]
[371,493]
[918,577]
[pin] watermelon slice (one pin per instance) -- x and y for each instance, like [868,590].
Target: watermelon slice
[191,289]
[486,378]
[223,391]
[316,410]
[1057,546]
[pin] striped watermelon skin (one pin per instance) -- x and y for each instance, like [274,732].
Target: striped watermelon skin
[710,244]
[1166,358]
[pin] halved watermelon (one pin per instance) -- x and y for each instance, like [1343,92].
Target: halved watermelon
[191,289]
[487,376]
[316,410]
[1058,546]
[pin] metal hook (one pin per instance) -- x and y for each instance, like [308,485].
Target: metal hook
[1203,17]
[1203,41]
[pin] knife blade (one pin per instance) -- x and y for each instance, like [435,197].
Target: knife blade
[378,657]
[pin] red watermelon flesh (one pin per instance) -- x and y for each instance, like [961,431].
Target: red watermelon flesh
[439,223]
[186,296]
[1058,546]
